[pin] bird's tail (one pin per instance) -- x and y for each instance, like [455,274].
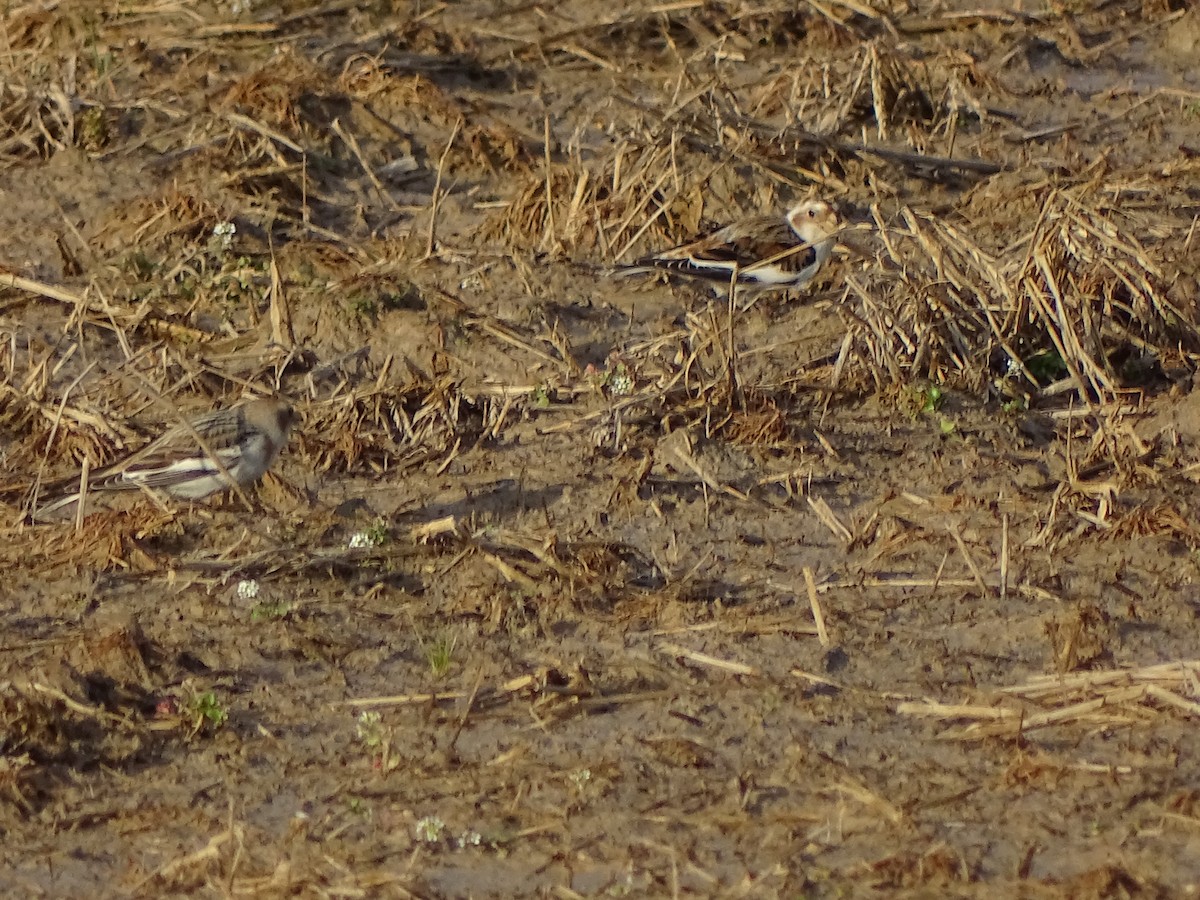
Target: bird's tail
[617,270]
[631,269]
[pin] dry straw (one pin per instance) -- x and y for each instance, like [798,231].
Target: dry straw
[1095,699]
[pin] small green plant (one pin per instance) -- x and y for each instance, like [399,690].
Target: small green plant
[618,380]
[363,306]
[102,59]
[378,533]
[220,241]
[614,378]
[540,396]
[235,283]
[376,739]
[270,610]
[429,830]
[1046,366]
[930,399]
[375,536]
[93,133]
[369,730]
[204,710]
[358,806]
[304,274]
[918,400]
[440,654]
[469,838]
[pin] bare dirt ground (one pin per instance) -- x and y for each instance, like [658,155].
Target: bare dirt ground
[569,586]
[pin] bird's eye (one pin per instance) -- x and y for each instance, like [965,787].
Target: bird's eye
[812,213]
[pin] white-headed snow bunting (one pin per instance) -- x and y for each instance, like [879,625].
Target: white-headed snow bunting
[213,452]
[762,254]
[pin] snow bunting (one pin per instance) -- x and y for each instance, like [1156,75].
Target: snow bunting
[763,254]
[213,452]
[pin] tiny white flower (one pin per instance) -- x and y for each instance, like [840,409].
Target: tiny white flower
[429,829]
[369,729]
[375,536]
[470,839]
[223,234]
[620,384]
[247,589]
[367,722]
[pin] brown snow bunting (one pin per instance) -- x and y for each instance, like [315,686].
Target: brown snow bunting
[763,254]
[213,452]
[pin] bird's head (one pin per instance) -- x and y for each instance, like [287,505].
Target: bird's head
[813,220]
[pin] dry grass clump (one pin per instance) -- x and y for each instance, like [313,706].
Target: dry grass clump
[686,158]
[605,202]
[760,421]
[36,121]
[938,865]
[1076,306]
[596,574]
[1098,296]
[281,94]
[62,407]
[1106,698]
[385,426]
[46,430]
[47,734]
[1163,518]
[687,33]
[155,242]
[58,72]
